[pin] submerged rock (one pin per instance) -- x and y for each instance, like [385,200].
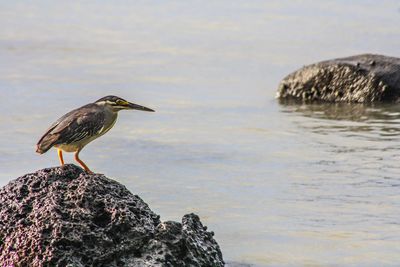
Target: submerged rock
[362,78]
[64,216]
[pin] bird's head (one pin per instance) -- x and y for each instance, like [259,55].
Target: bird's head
[116,104]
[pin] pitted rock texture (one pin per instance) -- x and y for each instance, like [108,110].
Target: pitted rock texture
[362,79]
[64,216]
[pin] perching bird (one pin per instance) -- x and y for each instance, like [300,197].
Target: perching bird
[77,128]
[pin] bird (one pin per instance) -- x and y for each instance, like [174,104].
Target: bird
[74,130]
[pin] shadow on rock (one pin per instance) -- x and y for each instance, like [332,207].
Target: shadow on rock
[343,111]
[380,119]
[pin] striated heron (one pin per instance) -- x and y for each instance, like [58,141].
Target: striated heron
[73,131]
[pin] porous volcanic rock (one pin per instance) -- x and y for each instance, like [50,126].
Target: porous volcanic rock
[65,216]
[362,78]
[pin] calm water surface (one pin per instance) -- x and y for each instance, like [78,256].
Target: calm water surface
[281,184]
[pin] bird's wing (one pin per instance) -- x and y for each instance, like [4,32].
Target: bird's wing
[85,123]
[72,127]
[51,135]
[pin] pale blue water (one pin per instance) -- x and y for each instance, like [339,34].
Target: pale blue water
[281,185]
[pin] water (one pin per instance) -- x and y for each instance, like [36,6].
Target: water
[281,184]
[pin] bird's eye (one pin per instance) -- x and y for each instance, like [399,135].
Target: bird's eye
[119,102]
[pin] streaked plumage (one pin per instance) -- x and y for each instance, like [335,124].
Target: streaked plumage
[79,127]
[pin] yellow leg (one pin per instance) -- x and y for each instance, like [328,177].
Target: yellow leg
[81,162]
[60,156]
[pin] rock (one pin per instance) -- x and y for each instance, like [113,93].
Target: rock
[64,216]
[362,78]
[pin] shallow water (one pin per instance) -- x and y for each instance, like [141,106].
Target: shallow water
[281,184]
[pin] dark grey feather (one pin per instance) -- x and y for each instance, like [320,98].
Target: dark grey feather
[74,126]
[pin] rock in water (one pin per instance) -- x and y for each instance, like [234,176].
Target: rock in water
[64,216]
[362,78]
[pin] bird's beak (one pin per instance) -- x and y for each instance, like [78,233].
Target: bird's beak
[138,107]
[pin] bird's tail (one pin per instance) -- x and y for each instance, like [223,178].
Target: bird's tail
[45,143]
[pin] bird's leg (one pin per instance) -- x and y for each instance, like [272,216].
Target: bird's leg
[60,157]
[81,162]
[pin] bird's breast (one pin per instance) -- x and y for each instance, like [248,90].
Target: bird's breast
[108,123]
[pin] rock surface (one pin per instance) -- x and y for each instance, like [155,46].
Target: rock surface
[362,78]
[64,216]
